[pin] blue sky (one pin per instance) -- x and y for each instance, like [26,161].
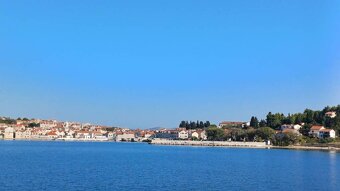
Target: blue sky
[144,64]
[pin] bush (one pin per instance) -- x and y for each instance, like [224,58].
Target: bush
[285,139]
[326,140]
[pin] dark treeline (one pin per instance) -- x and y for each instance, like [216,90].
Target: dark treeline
[308,117]
[194,125]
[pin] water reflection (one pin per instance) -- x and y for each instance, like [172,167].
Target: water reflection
[333,169]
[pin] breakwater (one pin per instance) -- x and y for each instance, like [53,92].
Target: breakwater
[211,143]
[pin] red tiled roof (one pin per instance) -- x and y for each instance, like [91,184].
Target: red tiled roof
[316,127]
[326,130]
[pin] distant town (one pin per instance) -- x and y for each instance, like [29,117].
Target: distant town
[278,129]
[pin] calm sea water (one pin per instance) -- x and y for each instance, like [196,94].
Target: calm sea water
[135,166]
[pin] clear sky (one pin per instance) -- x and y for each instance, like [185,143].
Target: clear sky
[142,64]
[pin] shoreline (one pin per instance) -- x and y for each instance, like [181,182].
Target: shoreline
[221,144]
[225,144]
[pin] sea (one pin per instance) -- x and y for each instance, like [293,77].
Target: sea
[95,166]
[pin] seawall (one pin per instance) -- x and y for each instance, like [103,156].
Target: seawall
[211,143]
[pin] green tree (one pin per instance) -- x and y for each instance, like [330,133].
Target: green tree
[201,125]
[215,134]
[254,122]
[266,133]
[263,123]
[305,129]
[182,124]
[308,116]
[285,139]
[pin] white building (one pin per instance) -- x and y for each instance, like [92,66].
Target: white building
[23,134]
[126,136]
[183,134]
[330,114]
[9,133]
[291,126]
[194,135]
[321,132]
[327,133]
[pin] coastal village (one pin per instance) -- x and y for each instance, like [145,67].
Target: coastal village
[36,129]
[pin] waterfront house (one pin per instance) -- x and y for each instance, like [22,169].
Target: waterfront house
[166,134]
[194,135]
[315,130]
[321,132]
[98,135]
[83,134]
[52,135]
[125,136]
[9,133]
[327,133]
[23,134]
[110,135]
[149,134]
[202,134]
[183,134]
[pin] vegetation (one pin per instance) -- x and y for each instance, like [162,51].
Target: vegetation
[215,134]
[265,129]
[254,122]
[238,134]
[31,125]
[7,120]
[194,125]
[308,118]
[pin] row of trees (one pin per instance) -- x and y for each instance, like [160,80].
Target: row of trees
[194,125]
[238,134]
[251,134]
[308,117]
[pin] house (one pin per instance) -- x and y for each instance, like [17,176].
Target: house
[23,134]
[327,133]
[232,124]
[9,133]
[52,135]
[321,132]
[194,135]
[125,136]
[48,124]
[198,134]
[83,135]
[110,135]
[166,134]
[315,130]
[149,134]
[183,134]
[202,134]
[330,114]
[99,136]
[291,126]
